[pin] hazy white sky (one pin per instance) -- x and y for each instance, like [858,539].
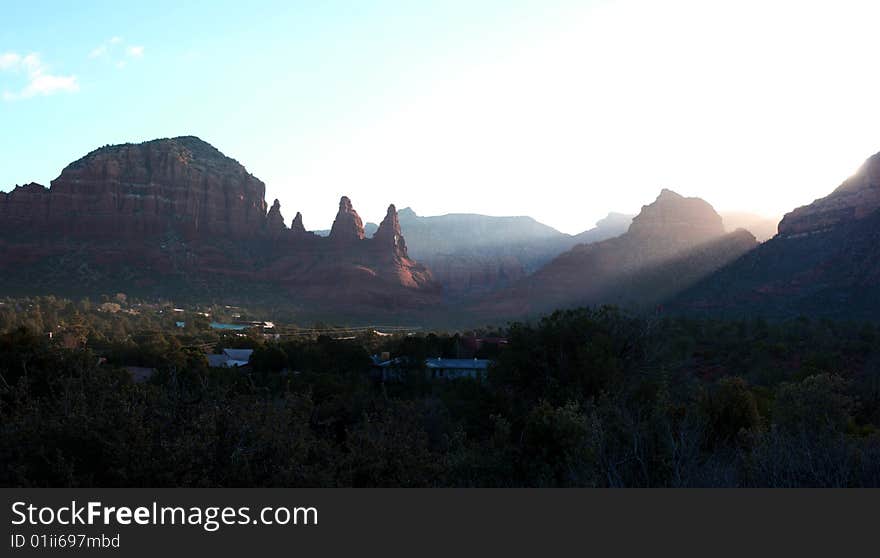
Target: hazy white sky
[559,110]
[756,106]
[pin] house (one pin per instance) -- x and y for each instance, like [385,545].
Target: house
[229,327]
[230,358]
[217,361]
[384,368]
[452,368]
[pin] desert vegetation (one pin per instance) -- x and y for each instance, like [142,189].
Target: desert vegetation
[584,397]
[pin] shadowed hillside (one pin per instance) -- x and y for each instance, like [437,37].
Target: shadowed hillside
[671,244]
[824,262]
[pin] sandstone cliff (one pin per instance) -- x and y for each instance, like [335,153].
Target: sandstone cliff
[857,198]
[177,218]
[181,184]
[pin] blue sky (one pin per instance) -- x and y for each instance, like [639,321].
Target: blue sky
[560,110]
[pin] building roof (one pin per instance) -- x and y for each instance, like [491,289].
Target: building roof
[230,327]
[242,355]
[396,361]
[217,361]
[462,363]
[230,358]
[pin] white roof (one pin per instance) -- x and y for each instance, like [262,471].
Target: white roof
[464,363]
[243,355]
[217,361]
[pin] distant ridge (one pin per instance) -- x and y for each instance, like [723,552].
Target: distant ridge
[470,254]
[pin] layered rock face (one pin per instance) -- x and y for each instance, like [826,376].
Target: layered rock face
[671,244]
[24,208]
[857,198]
[182,185]
[825,261]
[176,215]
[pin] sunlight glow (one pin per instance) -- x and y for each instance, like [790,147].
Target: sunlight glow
[757,106]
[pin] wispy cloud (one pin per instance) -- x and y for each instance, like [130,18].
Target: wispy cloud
[116,51]
[98,52]
[9,60]
[40,81]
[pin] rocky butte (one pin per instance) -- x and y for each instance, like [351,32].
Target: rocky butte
[177,218]
[181,184]
[671,244]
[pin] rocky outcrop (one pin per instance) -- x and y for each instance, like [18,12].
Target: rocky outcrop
[275,220]
[857,198]
[297,227]
[348,269]
[347,227]
[389,235]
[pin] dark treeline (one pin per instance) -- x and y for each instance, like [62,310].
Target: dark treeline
[580,398]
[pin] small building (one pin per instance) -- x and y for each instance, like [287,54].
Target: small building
[230,358]
[217,361]
[229,327]
[452,368]
[384,368]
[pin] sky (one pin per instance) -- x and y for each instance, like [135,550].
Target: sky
[561,110]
